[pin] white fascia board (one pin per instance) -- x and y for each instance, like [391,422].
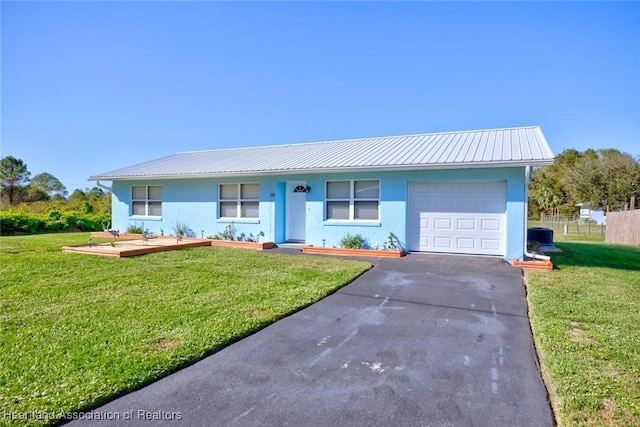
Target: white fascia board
[541,162]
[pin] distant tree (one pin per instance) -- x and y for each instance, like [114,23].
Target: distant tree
[77,195]
[100,199]
[547,190]
[96,192]
[596,177]
[91,200]
[608,178]
[636,183]
[49,184]
[32,193]
[13,176]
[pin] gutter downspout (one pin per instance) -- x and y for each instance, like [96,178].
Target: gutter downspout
[104,187]
[526,214]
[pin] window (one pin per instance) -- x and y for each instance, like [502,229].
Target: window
[146,200]
[353,200]
[239,200]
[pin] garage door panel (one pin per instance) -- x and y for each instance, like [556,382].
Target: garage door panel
[440,224]
[442,243]
[491,225]
[466,224]
[466,243]
[458,217]
[490,244]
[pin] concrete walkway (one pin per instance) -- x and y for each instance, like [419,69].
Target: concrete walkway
[425,340]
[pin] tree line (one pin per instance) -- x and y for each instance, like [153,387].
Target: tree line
[42,204]
[17,186]
[602,179]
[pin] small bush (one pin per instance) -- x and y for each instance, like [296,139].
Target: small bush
[134,229]
[182,229]
[70,222]
[55,215]
[353,242]
[52,226]
[229,233]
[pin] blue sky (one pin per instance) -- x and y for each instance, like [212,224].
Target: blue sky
[88,87]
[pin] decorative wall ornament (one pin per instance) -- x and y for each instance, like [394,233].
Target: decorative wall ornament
[302,189]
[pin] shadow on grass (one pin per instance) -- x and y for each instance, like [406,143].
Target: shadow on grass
[597,255]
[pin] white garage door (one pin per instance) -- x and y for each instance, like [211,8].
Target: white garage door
[457,217]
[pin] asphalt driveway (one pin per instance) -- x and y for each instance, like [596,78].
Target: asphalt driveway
[425,340]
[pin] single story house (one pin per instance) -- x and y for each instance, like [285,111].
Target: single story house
[455,192]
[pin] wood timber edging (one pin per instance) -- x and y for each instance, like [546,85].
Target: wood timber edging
[352,252]
[532,265]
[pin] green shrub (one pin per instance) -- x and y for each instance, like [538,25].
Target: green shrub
[52,226]
[20,223]
[353,242]
[229,233]
[16,222]
[134,229]
[70,221]
[55,215]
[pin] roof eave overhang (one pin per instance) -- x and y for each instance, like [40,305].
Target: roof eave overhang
[541,162]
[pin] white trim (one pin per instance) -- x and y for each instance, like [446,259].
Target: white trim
[238,200]
[294,219]
[144,218]
[147,200]
[351,200]
[104,187]
[469,165]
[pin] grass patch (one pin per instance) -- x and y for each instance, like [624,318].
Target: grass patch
[585,318]
[78,330]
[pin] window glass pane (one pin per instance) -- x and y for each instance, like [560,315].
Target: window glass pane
[337,210]
[229,191]
[139,192]
[366,189]
[155,192]
[250,191]
[249,209]
[338,189]
[365,210]
[155,208]
[138,208]
[228,210]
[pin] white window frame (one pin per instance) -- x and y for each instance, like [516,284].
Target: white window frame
[238,200]
[146,200]
[351,199]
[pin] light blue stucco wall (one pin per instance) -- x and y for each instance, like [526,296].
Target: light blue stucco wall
[194,202]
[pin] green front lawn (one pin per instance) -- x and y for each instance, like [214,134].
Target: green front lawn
[585,317]
[78,330]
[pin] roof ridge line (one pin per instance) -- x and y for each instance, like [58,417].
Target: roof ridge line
[356,139]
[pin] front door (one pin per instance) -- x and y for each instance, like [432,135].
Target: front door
[296,210]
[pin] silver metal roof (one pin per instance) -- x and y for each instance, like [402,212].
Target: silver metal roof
[477,148]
